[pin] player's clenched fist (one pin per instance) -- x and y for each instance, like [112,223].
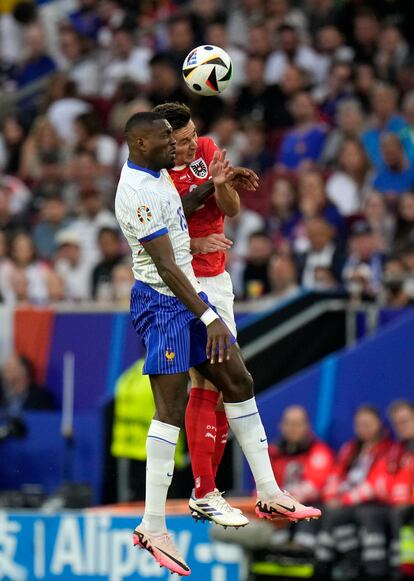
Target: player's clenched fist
[218,342]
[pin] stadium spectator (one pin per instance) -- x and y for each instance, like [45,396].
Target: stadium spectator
[164,83]
[64,106]
[256,155]
[128,61]
[90,137]
[337,89]
[83,175]
[92,217]
[19,390]
[385,119]
[393,51]
[320,13]
[43,155]
[397,174]
[227,134]
[324,252]
[127,101]
[280,12]
[11,143]
[396,294]
[268,103]
[363,269]
[109,243]
[36,62]
[348,185]
[404,231]
[313,202]
[348,486]
[53,218]
[255,273]
[121,284]
[302,463]
[70,264]
[180,33]
[86,20]
[18,195]
[292,50]
[283,279]
[258,40]
[283,215]
[380,220]
[304,142]
[79,62]
[349,121]
[366,28]
[24,261]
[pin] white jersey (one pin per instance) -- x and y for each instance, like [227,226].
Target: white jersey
[147,205]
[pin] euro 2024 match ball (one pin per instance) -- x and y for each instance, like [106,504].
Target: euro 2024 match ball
[207,70]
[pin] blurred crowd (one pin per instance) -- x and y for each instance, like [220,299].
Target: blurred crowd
[366,491]
[321,106]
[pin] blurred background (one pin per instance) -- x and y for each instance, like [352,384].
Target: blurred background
[321,106]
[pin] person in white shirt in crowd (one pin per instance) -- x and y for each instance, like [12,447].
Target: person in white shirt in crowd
[65,106]
[323,252]
[73,267]
[292,50]
[350,183]
[79,63]
[92,218]
[127,61]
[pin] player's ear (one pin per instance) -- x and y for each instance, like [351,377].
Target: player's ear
[141,143]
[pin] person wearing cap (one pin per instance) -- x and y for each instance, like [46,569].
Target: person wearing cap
[363,270]
[71,265]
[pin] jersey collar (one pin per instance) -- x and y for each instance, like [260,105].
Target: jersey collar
[155,174]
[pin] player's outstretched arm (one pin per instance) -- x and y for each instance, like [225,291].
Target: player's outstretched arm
[221,173]
[218,336]
[194,199]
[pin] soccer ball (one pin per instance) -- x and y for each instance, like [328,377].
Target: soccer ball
[207,70]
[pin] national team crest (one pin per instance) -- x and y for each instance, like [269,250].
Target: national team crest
[199,168]
[144,214]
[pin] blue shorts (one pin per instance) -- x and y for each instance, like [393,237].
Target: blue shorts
[175,339]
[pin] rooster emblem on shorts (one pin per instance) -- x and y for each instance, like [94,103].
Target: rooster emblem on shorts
[169,355]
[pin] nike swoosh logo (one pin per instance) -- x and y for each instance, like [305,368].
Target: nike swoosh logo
[263,440]
[173,559]
[170,475]
[292,509]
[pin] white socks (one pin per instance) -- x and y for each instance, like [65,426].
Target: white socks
[161,441]
[245,422]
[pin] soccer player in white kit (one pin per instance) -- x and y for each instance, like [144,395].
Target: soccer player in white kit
[181,330]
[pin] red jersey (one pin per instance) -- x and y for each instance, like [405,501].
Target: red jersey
[303,474]
[351,478]
[209,219]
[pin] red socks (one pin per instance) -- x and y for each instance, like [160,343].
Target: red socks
[201,428]
[221,439]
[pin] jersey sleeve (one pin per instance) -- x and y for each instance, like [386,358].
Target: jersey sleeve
[144,214]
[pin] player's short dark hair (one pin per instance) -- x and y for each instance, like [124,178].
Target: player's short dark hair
[177,114]
[141,119]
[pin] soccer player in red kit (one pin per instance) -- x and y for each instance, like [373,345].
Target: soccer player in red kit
[206,202]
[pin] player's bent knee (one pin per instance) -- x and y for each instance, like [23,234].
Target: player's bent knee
[172,417]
